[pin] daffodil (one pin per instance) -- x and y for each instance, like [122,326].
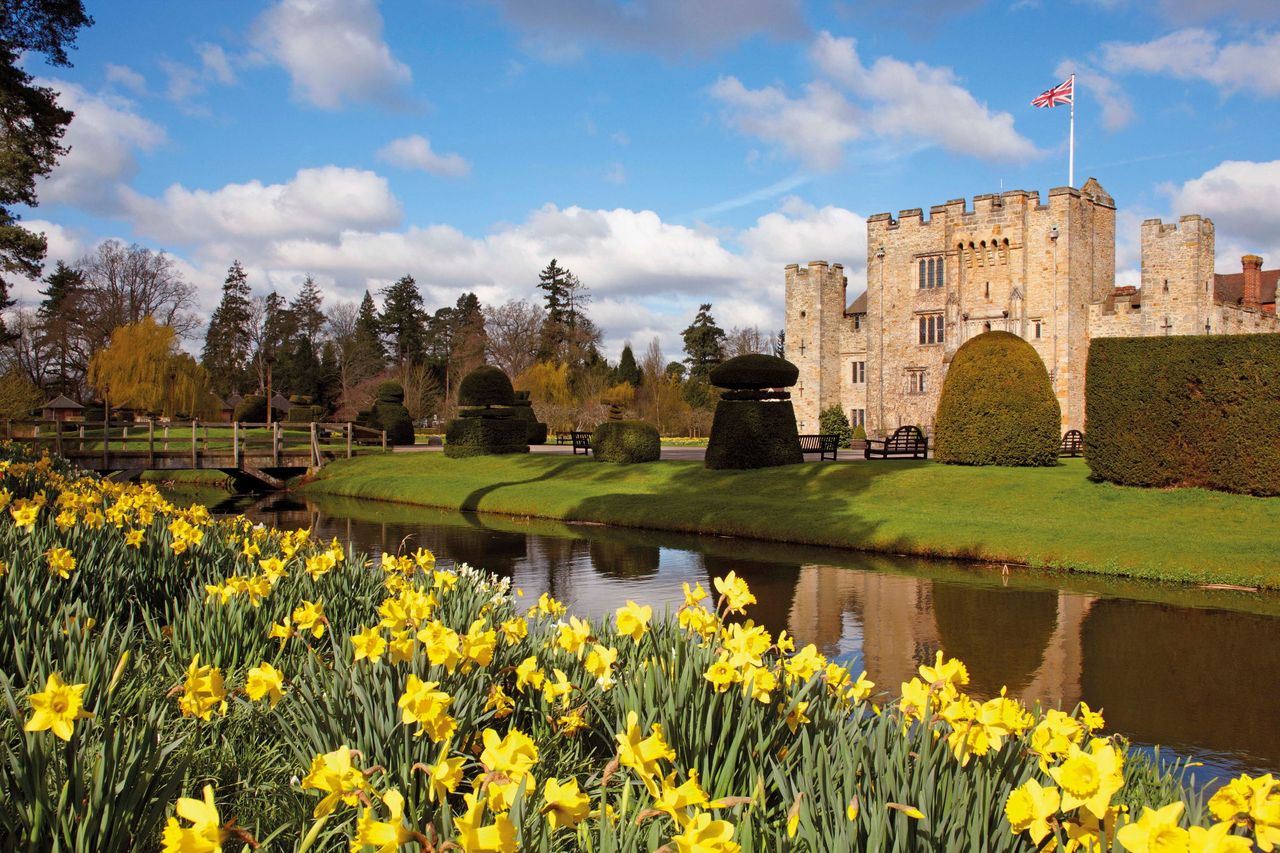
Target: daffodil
[475,837]
[265,681]
[528,674]
[1090,779]
[734,592]
[565,805]
[203,691]
[1031,808]
[369,644]
[681,801]
[444,777]
[512,755]
[309,616]
[573,635]
[633,620]
[57,707]
[334,774]
[423,704]
[643,754]
[704,834]
[384,835]
[795,716]
[61,562]
[205,834]
[1155,830]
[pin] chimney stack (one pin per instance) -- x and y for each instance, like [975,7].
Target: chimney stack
[1251,296]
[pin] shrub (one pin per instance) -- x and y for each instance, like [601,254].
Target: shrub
[302,414]
[833,421]
[522,407]
[390,392]
[755,370]
[626,441]
[486,386]
[394,418]
[860,434]
[485,437]
[753,434]
[1185,411]
[997,406]
[251,408]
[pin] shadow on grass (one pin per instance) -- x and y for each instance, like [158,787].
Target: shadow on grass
[471,502]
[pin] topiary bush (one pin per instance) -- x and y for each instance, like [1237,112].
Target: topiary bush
[252,409]
[626,441]
[485,437]
[833,421]
[522,407]
[997,406]
[303,414]
[389,413]
[486,386]
[860,433]
[753,434]
[755,371]
[1185,411]
[389,392]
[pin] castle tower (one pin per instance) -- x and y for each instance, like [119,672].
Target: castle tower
[815,303]
[1177,276]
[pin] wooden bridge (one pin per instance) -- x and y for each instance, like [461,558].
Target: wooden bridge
[267,453]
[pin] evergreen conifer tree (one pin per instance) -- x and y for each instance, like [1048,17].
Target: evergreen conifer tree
[307,311]
[402,321]
[59,316]
[628,370]
[228,342]
[369,352]
[703,344]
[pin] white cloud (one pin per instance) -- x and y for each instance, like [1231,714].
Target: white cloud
[814,128]
[63,244]
[1117,111]
[317,203]
[893,99]
[798,232]
[414,152]
[555,29]
[103,138]
[333,51]
[1196,54]
[919,100]
[214,61]
[1240,197]
[126,77]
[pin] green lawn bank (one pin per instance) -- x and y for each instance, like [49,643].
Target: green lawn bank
[1053,517]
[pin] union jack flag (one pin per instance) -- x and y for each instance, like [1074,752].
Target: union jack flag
[1060,94]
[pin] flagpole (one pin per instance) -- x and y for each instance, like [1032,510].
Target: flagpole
[1071,144]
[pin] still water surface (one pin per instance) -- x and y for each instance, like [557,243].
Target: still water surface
[1194,670]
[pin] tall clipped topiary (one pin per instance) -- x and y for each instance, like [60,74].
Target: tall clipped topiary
[755,423]
[486,422]
[522,407]
[388,413]
[997,406]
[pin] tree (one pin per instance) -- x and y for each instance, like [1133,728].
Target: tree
[628,371]
[457,341]
[402,320]
[512,332]
[703,344]
[833,421]
[33,123]
[228,344]
[308,315]
[143,368]
[124,284]
[552,282]
[355,360]
[60,319]
[18,395]
[368,338]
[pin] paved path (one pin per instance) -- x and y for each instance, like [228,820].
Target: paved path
[695,454]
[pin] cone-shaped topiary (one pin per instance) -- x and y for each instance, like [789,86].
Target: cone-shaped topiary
[755,371]
[626,441]
[486,386]
[997,406]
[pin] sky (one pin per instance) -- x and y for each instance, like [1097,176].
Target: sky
[668,152]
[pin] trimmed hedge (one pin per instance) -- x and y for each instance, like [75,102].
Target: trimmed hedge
[626,441]
[388,413]
[522,407]
[251,408]
[997,406]
[753,434]
[484,437]
[486,386]
[299,413]
[390,392]
[1185,411]
[754,371]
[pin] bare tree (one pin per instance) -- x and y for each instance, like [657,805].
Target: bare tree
[513,330]
[748,340]
[26,352]
[123,284]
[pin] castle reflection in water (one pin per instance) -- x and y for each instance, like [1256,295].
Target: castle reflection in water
[1195,679]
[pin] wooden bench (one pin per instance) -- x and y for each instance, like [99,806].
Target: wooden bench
[821,445]
[564,438]
[906,441]
[581,441]
[1072,443]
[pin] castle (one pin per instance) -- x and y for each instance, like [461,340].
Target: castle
[1045,272]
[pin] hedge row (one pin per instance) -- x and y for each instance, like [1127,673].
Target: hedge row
[1185,411]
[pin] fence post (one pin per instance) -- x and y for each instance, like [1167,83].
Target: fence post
[349,429]
[315,447]
[81,431]
[235,443]
[384,441]
[151,442]
[275,443]
[193,443]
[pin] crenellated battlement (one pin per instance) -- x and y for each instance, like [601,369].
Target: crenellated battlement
[1189,225]
[991,205]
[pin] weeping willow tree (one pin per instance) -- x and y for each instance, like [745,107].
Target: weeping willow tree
[144,369]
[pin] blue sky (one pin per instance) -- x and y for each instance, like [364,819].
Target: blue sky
[668,152]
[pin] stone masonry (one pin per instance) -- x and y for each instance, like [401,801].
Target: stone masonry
[1043,271]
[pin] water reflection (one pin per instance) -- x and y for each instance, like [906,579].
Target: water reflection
[1169,670]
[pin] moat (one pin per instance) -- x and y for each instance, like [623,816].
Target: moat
[1188,668]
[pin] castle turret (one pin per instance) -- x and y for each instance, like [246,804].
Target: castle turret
[1177,276]
[815,304]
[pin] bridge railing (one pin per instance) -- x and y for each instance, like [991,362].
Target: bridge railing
[151,440]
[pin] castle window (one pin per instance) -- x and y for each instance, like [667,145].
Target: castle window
[922,274]
[859,372]
[988,290]
[1038,327]
[857,322]
[931,329]
[1166,285]
[938,280]
[858,418]
[931,284]
[916,381]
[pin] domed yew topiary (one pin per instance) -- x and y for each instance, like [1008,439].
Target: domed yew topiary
[522,407]
[626,441]
[755,371]
[997,406]
[390,392]
[486,386]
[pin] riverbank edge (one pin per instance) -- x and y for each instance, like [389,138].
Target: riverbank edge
[1068,523]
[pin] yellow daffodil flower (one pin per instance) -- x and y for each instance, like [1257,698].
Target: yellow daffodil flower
[1030,808]
[334,774]
[265,681]
[385,835]
[703,834]
[369,643]
[428,707]
[205,835]
[633,620]
[565,805]
[57,707]
[734,592]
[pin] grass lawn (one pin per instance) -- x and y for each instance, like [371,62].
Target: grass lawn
[1053,517]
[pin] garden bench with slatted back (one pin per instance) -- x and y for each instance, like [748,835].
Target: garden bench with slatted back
[564,438]
[906,441]
[581,441]
[1072,443]
[823,445]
